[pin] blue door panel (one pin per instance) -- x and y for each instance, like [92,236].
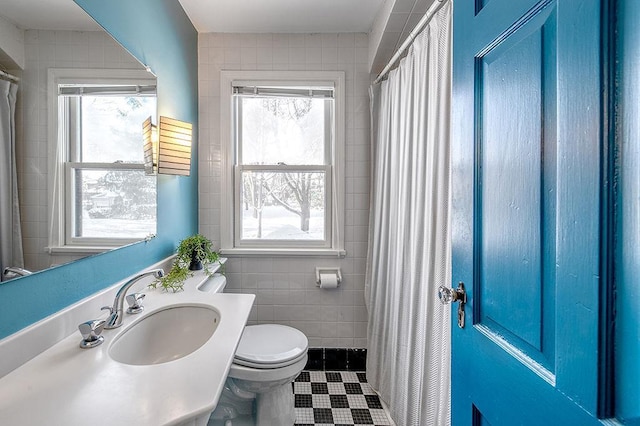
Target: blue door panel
[526,181]
[517,228]
[511,395]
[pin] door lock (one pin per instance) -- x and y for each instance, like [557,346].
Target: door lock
[449,295]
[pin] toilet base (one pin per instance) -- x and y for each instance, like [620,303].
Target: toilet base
[276,407]
[237,421]
[271,406]
[266,396]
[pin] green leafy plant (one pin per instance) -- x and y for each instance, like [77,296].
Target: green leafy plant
[192,250]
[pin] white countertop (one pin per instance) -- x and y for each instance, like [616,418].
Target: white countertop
[66,385]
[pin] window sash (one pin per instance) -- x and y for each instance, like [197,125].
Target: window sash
[78,90]
[326,168]
[328,129]
[275,88]
[70,116]
[326,242]
[72,104]
[71,203]
[279,92]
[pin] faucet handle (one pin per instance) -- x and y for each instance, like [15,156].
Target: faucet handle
[135,303]
[91,331]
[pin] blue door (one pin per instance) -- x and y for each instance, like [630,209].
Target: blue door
[529,204]
[627,213]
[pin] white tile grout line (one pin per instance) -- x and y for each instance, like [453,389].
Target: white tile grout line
[315,374]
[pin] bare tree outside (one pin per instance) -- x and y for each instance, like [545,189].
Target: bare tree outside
[284,131]
[299,193]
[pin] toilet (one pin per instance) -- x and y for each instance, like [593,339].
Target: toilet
[258,388]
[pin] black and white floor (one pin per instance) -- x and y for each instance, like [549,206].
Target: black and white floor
[341,398]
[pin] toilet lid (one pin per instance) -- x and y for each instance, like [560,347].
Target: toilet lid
[271,344]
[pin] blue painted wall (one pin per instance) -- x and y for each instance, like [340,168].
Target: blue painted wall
[160,35]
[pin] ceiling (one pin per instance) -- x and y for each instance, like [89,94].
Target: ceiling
[392,27]
[278,16]
[282,16]
[47,15]
[387,21]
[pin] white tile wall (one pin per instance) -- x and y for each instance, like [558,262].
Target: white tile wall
[285,287]
[44,50]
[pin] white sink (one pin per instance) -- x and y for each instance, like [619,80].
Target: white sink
[165,335]
[178,353]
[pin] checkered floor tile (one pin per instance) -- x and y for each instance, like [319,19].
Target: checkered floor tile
[344,398]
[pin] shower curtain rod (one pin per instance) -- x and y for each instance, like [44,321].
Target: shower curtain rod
[4,74]
[435,6]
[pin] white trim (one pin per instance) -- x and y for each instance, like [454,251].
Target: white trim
[279,79]
[285,252]
[104,166]
[228,79]
[79,249]
[58,153]
[131,77]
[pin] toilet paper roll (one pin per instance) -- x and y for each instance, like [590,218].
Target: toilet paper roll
[328,281]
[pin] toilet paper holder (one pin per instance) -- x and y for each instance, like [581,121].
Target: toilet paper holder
[328,270]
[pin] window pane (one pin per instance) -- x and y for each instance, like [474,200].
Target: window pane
[283,130]
[112,127]
[114,204]
[282,206]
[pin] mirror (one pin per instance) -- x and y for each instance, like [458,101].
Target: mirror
[79,43]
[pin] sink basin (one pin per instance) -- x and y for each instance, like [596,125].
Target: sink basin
[165,335]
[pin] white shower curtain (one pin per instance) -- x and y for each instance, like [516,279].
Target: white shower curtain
[409,256]
[10,231]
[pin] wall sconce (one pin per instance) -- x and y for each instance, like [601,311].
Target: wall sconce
[167,149]
[150,145]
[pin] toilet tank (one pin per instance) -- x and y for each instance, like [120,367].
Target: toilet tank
[214,284]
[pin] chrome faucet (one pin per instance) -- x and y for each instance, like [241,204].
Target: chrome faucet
[11,272]
[116,311]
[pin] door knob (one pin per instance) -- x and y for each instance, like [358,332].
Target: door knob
[448,295]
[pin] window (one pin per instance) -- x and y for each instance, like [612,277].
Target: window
[284,152]
[103,198]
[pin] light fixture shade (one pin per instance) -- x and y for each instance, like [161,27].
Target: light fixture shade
[150,144]
[174,147]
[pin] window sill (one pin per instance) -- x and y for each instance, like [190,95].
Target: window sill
[237,252]
[61,250]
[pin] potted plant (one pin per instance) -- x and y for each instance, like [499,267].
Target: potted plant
[194,253]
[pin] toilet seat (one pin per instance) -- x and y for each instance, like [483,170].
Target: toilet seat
[259,366]
[268,346]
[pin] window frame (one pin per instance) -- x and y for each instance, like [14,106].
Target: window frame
[62,157]
[231,244]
